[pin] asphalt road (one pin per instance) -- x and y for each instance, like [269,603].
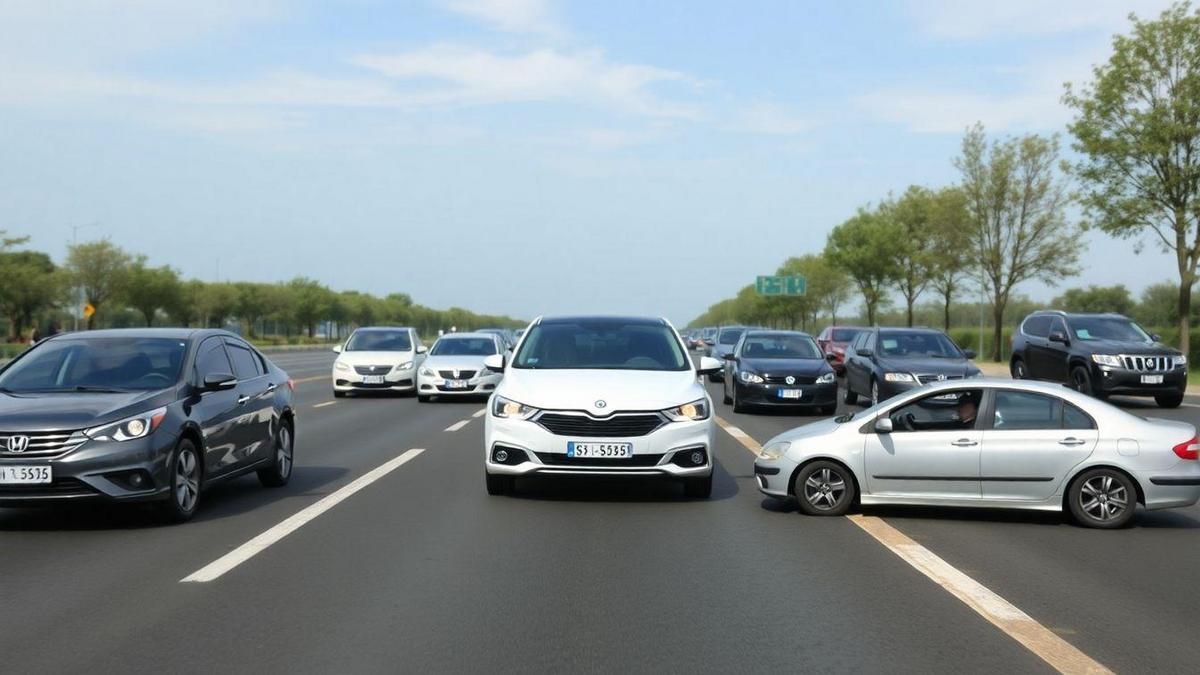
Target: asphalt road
[421,571]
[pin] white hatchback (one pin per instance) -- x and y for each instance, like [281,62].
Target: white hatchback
[599,395]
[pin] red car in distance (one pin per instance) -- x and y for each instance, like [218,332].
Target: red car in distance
[833,341]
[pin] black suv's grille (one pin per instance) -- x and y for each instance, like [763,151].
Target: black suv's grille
[372,370]
[15,444]
[561,459]
[926,379]
[796,379]
[1148,363]
[462,374]
[617,426]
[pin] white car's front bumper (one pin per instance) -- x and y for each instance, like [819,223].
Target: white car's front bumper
[393,380]
[483,384]
[666,451]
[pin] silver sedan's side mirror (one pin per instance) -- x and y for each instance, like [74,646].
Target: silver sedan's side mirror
[883,425]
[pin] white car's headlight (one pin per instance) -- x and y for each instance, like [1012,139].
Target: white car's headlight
[750,378]
[129,428]
[342,366]
[503,407]
[1107,360]
[404,366]
[899,377]
[775,450]
[1180,361]
[688,412]
[428,373]
[827,378]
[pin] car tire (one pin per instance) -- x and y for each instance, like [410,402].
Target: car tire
[698,488]
[422,398]
[738,406]
[824,488]
[1017,370]
[1089,510]
[184,471]
[283,460]
[339,394]
[1081,381]
[850,398]
[499,485]
[1169,400]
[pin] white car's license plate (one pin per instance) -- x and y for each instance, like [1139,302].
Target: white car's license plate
[606,450]
[456,384]
[25,475]
[372,379]
[1152,379]
[790,393]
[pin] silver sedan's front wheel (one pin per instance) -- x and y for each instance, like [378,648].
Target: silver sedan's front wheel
[1103,498]
[824,488]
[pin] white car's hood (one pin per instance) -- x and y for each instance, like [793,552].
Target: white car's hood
[375,358]
[619,389]
[454,362]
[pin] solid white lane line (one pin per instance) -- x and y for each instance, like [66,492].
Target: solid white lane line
[480,413]
[248,550]
[326,403]
[458,425]
[1057,652]
[740,436]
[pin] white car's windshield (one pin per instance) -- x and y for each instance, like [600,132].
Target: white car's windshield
[602,344]
[379,341]
[464,346]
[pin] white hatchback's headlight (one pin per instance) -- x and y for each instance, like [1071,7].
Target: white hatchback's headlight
[688,412]
[404,366]
[1107,360]
[428,373]
[342,366]
[827,378]
[503,407]
[750,378]
[899,377]
[775,450]
[129,428]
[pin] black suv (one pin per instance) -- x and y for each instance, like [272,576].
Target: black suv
[1098,354]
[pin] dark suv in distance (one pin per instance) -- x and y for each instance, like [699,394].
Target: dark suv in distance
[726,339]
[138,415]
[882,362]
[1098,354]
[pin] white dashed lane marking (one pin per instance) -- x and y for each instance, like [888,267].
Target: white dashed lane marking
[458,425]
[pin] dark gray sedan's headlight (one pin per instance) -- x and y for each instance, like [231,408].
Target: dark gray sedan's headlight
[138,426]
[749,377]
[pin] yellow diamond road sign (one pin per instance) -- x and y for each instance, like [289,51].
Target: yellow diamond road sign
[88,310]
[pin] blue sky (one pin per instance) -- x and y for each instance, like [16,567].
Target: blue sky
[517,156]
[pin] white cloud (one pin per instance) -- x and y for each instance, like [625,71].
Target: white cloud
[962,20]
[513,16]
[771,119]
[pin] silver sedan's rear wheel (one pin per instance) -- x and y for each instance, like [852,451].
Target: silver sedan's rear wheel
[1103,498]
[824,488]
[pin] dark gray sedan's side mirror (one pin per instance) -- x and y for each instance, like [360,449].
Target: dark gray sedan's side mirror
[729,357]
[864,352]
[969,353]
[219,381]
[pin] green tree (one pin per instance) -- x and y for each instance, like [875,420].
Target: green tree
[1096,300]
[216,303]
[149,289]
[310,303]
[1017,200]
[30,284]
[101,269]
[865,247]
[1138,129]
[915,246]
[950,225]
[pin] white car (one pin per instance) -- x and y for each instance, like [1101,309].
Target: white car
[990,443]
[378,359]
[594,395]
[455,366]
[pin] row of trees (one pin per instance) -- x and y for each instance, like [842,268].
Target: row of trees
[125,289]
[1004,223]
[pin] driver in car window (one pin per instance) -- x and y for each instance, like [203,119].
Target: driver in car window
[965,410]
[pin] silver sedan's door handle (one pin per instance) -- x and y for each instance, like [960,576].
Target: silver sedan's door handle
[1071,440]
[964,443]
[242,400]
[271,388]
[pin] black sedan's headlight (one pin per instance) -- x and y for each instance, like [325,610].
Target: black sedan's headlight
[138,426]
[749,377]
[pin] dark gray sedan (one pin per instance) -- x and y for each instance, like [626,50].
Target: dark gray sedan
[884,362]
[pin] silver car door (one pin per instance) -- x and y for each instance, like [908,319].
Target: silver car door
[1032,443]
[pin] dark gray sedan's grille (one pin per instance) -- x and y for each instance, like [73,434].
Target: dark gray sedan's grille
[1147,363]
[39,443]
[617,426]
[372,370]
[461,374]
[926,379]
[796,379]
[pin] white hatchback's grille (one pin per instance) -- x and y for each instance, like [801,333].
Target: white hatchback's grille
[1147,363]
[39,443]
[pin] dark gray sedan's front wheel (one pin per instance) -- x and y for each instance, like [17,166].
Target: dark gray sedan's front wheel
[1103,498]
[824,488]
[185,473]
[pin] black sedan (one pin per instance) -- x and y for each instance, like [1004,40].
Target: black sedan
[141,415]
[882,362]
[779,368]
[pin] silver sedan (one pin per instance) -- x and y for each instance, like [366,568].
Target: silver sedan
[988,443]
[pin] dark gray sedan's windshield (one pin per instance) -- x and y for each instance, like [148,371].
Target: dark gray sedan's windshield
[600,344]
[782,346]
[379,341]
[97,364]
[730,336]
[917,343]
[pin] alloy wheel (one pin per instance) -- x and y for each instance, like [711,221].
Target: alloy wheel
[1103,498]
[187,479]
[1079,380]
[824,489]
[283,452]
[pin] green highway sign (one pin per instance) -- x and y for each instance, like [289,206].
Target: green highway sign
[794,284]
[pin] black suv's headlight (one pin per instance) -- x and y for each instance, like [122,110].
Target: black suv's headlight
[688,412]
[138,426]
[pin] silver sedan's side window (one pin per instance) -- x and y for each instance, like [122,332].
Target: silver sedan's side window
[953,410]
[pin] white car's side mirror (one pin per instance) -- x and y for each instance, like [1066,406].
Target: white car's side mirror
[337,349]
[708,365]
[494,362]
[421,349]
[883,425]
